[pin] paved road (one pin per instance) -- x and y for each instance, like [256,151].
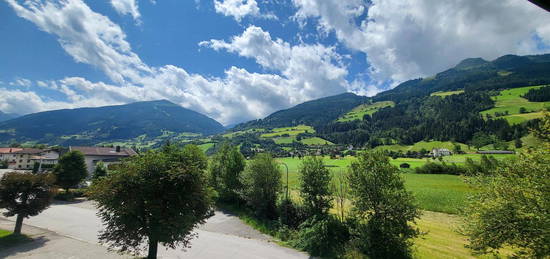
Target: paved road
[223,236]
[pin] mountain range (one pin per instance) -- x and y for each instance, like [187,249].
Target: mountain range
[119,122]
[409,112]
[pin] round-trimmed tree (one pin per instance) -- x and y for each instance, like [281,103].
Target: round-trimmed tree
[156,197]
[25,195]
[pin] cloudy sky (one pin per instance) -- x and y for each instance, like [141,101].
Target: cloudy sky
[236,60]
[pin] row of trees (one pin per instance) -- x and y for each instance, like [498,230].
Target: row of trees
[377,226]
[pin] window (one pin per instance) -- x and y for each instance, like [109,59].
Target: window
[28,161]
[19,166]
[20,160]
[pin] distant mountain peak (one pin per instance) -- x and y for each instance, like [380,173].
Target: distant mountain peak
[471,63]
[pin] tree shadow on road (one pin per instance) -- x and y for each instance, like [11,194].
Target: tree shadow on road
[12,245]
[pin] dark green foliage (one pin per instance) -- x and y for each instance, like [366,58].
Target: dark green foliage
[481,139]
[405,165]
[100,170]
[70,170]
[538,95]
[315,186]
[108,123]
[518,143]
[313,113]
[291,214]
[25,195]
[453,118]
[225,172]
[485,166]
[4,164]
[441,168]
[523,110]
[165,197]
[475,76]
[382,210]
[322,236]
[511,208]
[262,181]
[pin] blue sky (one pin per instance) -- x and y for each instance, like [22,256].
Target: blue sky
[236,60]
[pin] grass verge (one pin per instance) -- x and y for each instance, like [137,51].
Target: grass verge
[9,239]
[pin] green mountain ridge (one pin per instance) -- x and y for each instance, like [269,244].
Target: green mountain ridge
[88,126]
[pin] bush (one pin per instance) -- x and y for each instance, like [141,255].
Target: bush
[405,165]
[441,168]
[322,236]
[291,214]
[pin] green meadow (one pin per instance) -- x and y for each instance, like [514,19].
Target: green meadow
[510,101]
[444,94]
[358,112]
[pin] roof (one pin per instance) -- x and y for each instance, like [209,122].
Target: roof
[9,149]
[104,151]
[29,151]
[15,150]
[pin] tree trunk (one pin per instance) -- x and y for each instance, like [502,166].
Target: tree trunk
[18,224]
[153,246]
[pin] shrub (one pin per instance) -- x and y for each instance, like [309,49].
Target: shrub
[291,214]
[405,165]
[322,236]
[441,168]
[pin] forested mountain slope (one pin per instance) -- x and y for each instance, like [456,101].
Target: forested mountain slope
[95,125]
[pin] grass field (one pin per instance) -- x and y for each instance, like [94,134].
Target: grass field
[291,131]
[358,112]
[315,141]
[427,145]
[242,132]
[204,147]
[441,193]
[510,101]
[444,94]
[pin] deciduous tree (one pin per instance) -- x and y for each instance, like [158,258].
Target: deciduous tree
[262,179]
[382,209]
[225,172]
[70,170]
[315,186]
[158,197]
[25,195]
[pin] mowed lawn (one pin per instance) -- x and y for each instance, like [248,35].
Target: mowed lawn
[511,101]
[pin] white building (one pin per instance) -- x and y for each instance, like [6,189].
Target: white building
[438,152]
[107,155]
[25,158]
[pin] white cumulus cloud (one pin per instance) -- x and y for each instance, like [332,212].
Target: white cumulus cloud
[240,8]
[127,7]
[404,39]
[299,73]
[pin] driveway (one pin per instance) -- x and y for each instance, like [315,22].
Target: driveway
[223,236]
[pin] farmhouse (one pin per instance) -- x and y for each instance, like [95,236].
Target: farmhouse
[438,152]
[107,155]
[25,158]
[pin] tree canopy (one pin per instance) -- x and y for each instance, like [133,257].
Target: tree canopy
[25,195]
[165,196]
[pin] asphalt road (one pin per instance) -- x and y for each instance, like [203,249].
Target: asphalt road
[223,236]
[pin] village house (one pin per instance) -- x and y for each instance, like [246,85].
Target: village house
[107,155]
[439,152]
[25,158]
